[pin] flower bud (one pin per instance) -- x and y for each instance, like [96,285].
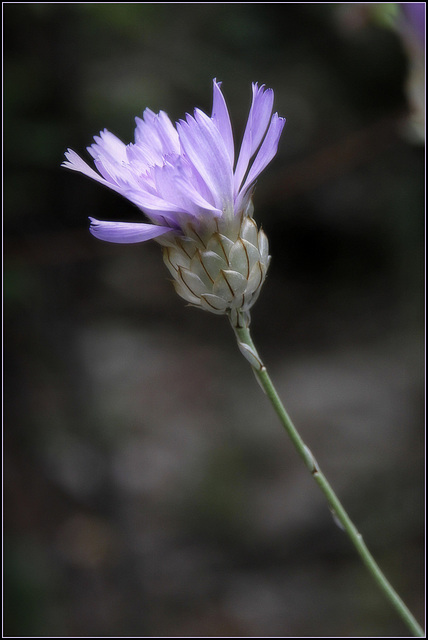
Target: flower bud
[221,271]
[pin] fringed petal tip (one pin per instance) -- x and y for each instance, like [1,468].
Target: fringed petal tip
[73,160]
[76,163]
[125,232]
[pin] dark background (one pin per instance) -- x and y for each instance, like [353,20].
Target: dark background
[149,488]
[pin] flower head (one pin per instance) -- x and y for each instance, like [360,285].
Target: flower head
[198,202]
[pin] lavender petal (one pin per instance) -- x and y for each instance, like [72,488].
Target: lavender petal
[266,152]
[257,123]
[125,232]
[220,116]
[208,154]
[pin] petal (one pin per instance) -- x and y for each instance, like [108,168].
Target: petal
[75,163]
[125,232]
[170,189]
[141,156]
[267,151]
[258,121]
[205,149]
[167,187]
[150,202]
[117,175]
[160,211]
[220,117]
[186,172]
[145,131]
[107,145]
[112,145]
[195,200]
[167,134]
[157,132]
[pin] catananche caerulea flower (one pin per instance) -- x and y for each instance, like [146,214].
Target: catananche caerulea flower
[198,201]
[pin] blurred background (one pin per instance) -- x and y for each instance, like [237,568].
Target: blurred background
[149,488]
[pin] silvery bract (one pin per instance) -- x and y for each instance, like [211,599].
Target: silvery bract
[199,206]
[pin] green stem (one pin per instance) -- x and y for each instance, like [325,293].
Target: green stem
[248,349]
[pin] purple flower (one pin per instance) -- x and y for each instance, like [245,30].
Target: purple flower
[415,14]
[183,177]
[185,180]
